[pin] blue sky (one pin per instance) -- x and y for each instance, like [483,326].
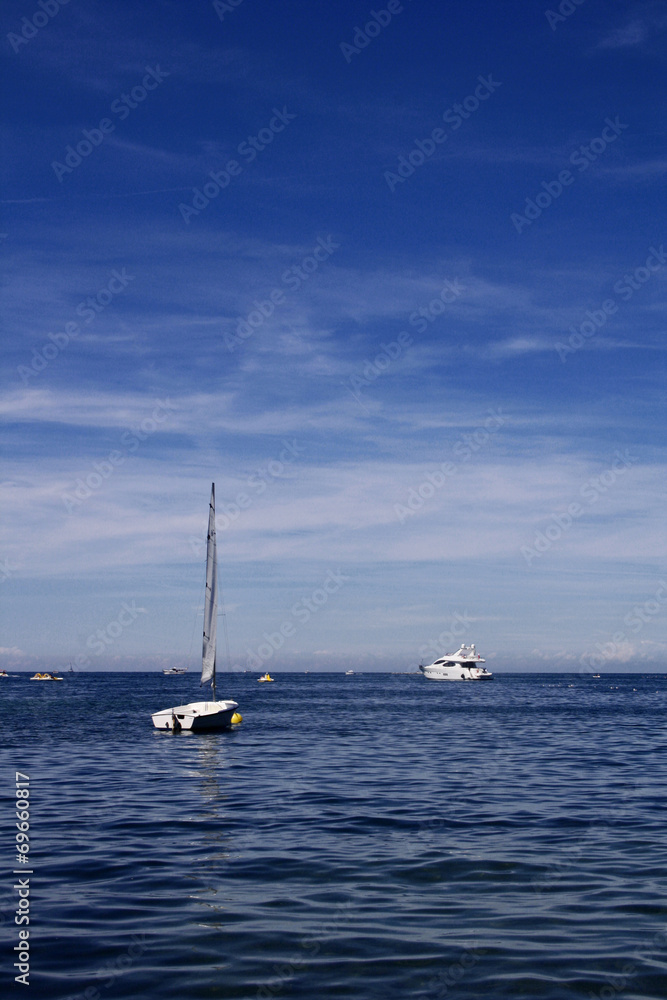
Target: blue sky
[395,281]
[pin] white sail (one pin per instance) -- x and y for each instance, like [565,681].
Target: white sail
[211,605]
[213,715]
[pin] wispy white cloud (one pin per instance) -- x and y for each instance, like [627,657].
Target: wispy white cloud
[364,453]
[630,34]
[644,20]
[520,345]
[341,510]
[647,169]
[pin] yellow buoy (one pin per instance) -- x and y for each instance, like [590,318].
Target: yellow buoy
[237,717]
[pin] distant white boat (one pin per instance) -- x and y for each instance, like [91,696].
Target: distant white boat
[348,672]
[264,678]
[463,665]
[175,670]
[204,716]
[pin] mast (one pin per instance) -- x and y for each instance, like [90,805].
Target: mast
[211,601]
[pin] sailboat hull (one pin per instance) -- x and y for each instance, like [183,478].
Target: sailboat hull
[200,716]
[203,716]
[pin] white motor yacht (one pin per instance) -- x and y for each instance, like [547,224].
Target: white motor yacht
[463,665]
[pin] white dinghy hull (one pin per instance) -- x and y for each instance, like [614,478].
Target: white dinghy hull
[199,716]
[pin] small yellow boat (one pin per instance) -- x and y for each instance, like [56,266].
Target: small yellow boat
[45,677]
[265,677]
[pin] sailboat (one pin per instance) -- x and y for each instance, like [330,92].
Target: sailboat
[203,716]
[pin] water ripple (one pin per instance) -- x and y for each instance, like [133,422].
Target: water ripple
[385,838]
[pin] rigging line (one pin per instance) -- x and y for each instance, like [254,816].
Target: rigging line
[200,611]
[223,614]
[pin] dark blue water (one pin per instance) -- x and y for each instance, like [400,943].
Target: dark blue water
[375,836]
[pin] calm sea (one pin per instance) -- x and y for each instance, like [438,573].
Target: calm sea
[374,836]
